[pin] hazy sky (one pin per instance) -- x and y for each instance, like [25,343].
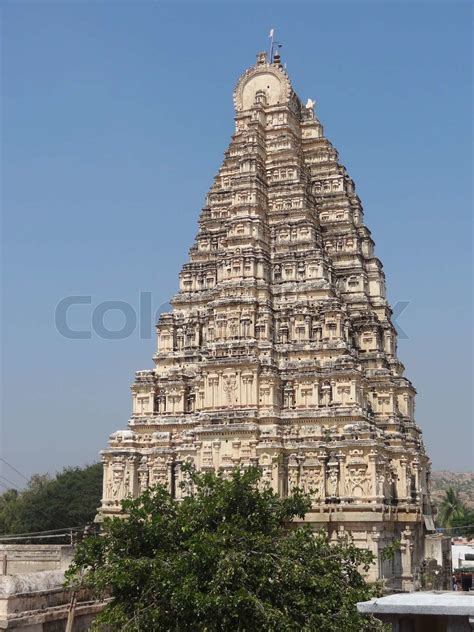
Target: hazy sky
[115,118]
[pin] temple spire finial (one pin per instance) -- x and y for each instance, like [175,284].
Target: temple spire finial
[274,56]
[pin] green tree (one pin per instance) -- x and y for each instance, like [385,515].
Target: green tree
[225,558]
[8,510]
[70,499]
[463,522]
[451,508]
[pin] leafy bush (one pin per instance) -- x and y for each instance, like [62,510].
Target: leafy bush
[225,558]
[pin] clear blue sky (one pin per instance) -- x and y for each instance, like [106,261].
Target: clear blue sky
[115,118]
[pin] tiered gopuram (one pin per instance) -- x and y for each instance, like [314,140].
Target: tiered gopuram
[279,350]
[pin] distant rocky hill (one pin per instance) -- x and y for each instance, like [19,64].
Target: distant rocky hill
[462,482]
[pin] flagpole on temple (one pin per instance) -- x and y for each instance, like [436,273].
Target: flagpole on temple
[272,33]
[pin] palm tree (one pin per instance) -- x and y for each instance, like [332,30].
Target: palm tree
[451,508]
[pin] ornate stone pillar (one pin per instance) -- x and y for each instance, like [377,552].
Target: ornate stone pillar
[403,482]
[416,470]
[216,445]
[406,549]
[307,327]
[373,540]
[341,457]
[377,495]
[293,473]
[134,403]
[198,453]
[107,477]
[280,475]
[143,476]
[169,474]
[177,478]
[248,381]
[322,457]
[236,452]
[130,478]
[353,394]
[316,396]
[116,481]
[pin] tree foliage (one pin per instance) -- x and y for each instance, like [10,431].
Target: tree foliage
[225,558]
[451,507]
[455,515]
[8,505]
[70,499]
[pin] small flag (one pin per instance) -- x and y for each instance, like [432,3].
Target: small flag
[271,33]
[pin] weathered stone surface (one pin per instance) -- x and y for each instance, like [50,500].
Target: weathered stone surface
[27,558]
[30,582]
[279,350]
[37,602]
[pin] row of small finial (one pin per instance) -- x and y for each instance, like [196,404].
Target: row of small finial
[262,59]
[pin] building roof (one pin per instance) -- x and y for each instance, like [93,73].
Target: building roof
[458,554]
[421,603]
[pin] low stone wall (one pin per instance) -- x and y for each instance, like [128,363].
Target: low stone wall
[38,602]
[29,558]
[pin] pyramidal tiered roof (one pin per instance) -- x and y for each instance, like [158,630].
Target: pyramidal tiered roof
[279,350]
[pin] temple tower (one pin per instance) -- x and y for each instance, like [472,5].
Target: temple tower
[279,350]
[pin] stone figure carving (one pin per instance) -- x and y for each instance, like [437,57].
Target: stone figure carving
[117,477]
[190,401]
[293,478]
[408,482]
[312,481]
[326,394]
[160,476]
[143,480]
[380,484]
[230,388]
[267,477]
[109,486]
[293,472]
[332,480]
[357,482]
[126,483]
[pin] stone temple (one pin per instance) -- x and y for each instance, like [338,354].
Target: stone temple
[279,350]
